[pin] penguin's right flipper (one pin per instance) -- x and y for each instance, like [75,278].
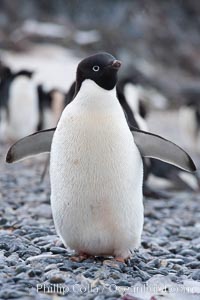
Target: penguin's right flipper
[36,143]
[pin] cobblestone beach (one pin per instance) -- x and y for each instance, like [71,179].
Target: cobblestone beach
[35,265]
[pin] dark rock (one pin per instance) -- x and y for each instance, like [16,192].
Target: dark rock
[193,265]
[198,256]
[21,269]
[88,274]
[65,269]
[3,221]
[4,246]
[58,250]
[35,272]
[56,279]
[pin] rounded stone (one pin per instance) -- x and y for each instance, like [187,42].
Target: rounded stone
[196,275]
[56,279]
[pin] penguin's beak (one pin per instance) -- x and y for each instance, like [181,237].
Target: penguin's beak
[116,64]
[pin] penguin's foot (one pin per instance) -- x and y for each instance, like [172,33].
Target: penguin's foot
[80,257]
[122,256]
[121,259]
[115,261]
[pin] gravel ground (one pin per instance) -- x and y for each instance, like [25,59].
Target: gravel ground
[35,265]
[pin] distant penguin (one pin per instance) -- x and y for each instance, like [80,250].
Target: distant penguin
[51,105]
[135,111]
[5,75]
[6,78]
[128,92]
[189,118]
[96,168]
[22,105]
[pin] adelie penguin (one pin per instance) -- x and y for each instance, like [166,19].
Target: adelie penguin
[18,103]
[51,105]
[189,118]
[96,168]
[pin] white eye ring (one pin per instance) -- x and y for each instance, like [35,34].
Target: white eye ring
[96,68]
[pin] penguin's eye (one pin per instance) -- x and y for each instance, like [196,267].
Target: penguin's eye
[96,68]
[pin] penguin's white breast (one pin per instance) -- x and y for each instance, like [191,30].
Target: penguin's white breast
[96,169]
[92,147]
[94,139]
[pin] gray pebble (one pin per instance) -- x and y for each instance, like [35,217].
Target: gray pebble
[88,274]
[58,250]
[50,267]
[99,297]
[65,269]
[115,275]
[188,234]
[196,275]
[155,263]
[187,252]
[188,259]
[12,294]
[198,256]
[56,279]
[193,265]
[21,269]
[176,261]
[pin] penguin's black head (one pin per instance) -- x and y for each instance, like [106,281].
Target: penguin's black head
[102,68]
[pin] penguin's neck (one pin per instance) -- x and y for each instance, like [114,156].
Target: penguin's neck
[92,97]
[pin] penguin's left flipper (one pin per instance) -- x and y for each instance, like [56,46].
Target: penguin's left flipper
[36,143]
[155,146]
